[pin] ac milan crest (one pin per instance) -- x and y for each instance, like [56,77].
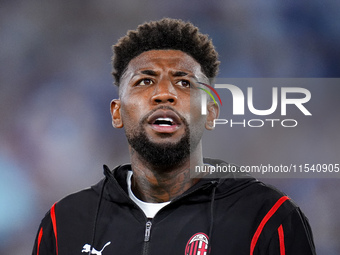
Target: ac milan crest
[197,245]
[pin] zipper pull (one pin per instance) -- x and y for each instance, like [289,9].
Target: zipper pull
[147,231]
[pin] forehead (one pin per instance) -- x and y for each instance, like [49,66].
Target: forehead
[163,60]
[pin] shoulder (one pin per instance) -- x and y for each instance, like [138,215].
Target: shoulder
[256,199]
[82,197]
[78,203]
[279,222]
[271,201]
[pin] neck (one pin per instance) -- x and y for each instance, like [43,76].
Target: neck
[154,185]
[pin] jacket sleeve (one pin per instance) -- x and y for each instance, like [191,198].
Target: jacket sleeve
[293,236]
[45,242]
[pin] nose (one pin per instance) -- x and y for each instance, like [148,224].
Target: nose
[164,93]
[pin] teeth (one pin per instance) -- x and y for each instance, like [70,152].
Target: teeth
[164,121]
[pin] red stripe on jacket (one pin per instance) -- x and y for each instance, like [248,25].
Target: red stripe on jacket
[54,224]
[39,239]
[259,229]
[281,240]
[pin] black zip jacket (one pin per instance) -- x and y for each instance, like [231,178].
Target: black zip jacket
[229,216]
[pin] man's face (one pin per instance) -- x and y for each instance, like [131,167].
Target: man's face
[160,106]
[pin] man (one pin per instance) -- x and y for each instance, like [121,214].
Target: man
[152,206]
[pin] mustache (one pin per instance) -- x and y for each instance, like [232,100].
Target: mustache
[164,107]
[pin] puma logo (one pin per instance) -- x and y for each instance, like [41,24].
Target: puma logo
[87,247]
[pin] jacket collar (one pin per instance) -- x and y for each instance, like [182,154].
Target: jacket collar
[116,187]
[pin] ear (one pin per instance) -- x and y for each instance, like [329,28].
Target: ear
[212,114]
[115,114]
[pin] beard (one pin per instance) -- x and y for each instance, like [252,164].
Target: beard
[160,155]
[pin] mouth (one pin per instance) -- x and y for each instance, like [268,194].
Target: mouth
[164,121]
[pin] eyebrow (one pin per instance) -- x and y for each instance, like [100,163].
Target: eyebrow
[179,74]
[149,72]
[175,74]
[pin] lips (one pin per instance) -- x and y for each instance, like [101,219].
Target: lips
[164,121]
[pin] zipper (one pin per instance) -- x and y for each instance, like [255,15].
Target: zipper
[147,237]
[147,231]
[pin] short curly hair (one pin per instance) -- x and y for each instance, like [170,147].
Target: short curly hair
[165,34]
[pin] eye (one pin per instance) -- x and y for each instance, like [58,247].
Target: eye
[145,82]
[184,83]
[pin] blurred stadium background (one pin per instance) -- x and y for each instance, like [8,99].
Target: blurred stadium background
[55,82]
